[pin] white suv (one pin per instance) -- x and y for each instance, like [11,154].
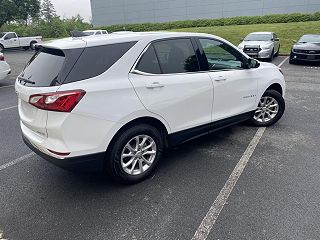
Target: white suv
[114,103]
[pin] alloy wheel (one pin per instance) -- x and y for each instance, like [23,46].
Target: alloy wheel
[267,110]
[138,155]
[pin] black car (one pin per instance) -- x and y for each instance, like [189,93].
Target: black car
[306,49]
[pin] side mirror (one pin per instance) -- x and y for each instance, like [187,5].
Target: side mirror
[277,39]
[294,41]
[252,63]
[241,39]
[6,38]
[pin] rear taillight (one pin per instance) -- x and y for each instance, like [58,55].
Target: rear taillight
[58,101]
[1,58]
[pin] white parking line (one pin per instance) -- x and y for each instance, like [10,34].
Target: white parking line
[215,209]
[7,86]
[283,61]
[16,161]
[8,108]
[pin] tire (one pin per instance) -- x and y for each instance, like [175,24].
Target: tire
[138,170]
[266,116]
[270,59]
[1,48]
[277,53]
[32,45]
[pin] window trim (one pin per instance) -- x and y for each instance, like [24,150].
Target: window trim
[244,59]
[194,46]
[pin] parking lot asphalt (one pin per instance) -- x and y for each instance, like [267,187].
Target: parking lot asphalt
[276,197]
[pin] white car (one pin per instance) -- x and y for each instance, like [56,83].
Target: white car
[95,32]
[10,40]
[114,104]
[262,45]
[4,67]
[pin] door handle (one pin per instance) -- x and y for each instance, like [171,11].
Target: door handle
[155,85]
[220,79]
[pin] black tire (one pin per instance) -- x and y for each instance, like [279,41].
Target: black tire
[32,45]
[1,48]
[113,159]
[270,59]
[277,53]
[281,108]
[291,61]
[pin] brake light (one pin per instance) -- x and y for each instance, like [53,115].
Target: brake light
[58,102]
[1,58]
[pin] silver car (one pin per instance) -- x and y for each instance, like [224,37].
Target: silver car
[262,45]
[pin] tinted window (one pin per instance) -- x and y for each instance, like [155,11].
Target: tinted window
[176,56]
[149,62]
[43,69]
[220,55]
[98,33]
[96,60]
[104,32]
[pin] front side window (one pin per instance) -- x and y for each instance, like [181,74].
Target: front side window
[176,56]
[220,55]
[10,36]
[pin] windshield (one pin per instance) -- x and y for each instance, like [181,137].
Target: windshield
[310,39]
[258,37]
[2,34]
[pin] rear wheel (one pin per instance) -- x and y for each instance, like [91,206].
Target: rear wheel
[135,154]
[33,45]
[270,109]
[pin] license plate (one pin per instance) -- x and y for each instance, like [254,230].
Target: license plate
[311,57]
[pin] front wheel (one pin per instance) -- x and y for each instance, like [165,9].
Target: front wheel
[134,154]
[270,109]
[270,59]
[33,45]
[1,48]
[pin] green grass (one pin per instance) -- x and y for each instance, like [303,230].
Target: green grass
[287,32]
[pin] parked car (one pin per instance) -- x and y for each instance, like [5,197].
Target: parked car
[306,49]
[4,67]
[261,45]
[81,108]
[11,40]
[95,32]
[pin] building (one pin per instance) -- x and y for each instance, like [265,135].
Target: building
[109,12]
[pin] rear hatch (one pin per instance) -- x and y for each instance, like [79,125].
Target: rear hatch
[44,73]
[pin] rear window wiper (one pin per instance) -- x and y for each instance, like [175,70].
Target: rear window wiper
[21,79]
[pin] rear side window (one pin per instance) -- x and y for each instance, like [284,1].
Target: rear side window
[43,69]
[96,60]
[176,56]
[149,62]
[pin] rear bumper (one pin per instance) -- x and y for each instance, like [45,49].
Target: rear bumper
[85,163]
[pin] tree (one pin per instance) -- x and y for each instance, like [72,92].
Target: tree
[27,9]
[17,10]
[48,11]
[6,11]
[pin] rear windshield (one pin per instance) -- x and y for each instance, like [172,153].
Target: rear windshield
[43,69]
[51,67]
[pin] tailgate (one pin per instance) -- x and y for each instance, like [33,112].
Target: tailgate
[33,120]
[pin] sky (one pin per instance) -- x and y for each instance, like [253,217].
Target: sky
[70,8]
